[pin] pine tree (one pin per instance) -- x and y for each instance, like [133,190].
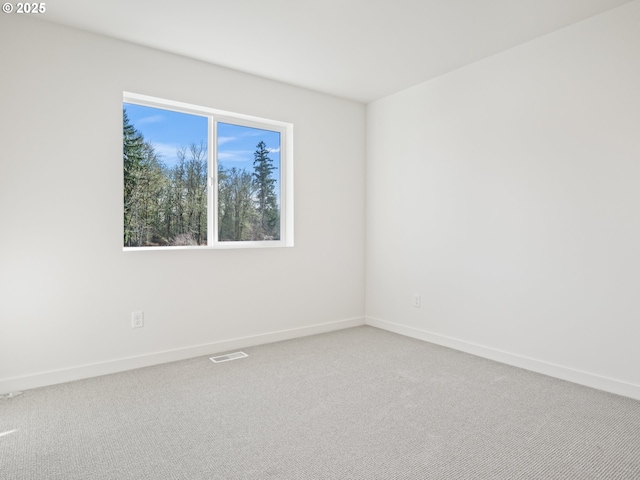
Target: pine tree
[268,215]
[132,154]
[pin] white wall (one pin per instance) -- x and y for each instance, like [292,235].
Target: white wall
[507,193]
[68,289]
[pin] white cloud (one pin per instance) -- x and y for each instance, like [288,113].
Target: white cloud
[223,140]
[235,155]
[150,119]
[165,149]
[167,152]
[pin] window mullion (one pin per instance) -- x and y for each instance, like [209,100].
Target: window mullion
[212,197]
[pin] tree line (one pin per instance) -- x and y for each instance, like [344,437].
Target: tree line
[167,205]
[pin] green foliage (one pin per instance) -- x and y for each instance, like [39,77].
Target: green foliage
[132,155]
[236,211]
[168,205]
[247,202]
[268,225]
[162,205]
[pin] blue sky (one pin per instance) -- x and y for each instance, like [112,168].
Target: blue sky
[168,130]
[236,145]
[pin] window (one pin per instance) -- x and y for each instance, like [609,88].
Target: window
[199,177]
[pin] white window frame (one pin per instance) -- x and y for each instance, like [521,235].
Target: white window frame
[215,116]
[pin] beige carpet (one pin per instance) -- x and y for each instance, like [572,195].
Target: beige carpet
[355,404]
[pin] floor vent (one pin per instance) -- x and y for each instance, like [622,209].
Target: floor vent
[228,356]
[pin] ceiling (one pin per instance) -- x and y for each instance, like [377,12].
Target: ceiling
[357,49]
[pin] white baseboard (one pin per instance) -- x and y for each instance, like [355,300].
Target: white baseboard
[113,366]
[592,380]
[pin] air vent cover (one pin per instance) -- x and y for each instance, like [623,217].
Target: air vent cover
[227,357]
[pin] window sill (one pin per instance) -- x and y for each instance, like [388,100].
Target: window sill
[218,246]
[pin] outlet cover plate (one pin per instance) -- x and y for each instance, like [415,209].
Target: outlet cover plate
[417,300]
[137,319]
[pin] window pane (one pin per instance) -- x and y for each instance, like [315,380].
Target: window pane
[248,183]
[165,177]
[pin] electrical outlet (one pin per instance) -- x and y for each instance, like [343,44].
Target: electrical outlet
[417,300]
[137,319]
